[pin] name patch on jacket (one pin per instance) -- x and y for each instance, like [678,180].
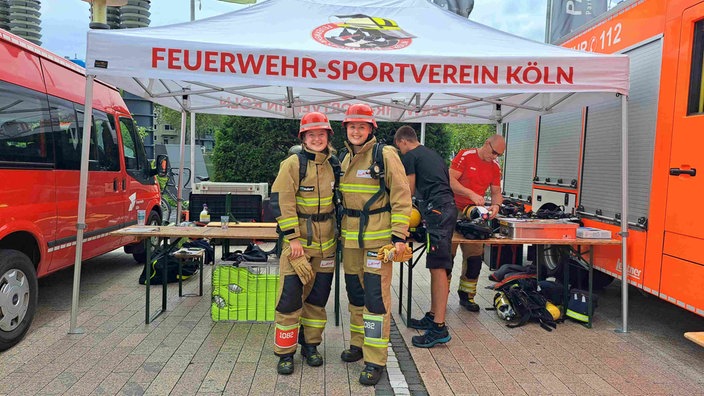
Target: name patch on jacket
[306,188]
[364,173]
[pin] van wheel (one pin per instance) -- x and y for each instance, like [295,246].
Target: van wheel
[18,296]
[552,259]
[154,220]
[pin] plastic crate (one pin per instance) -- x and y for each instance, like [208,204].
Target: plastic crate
[246,293]
[242,207]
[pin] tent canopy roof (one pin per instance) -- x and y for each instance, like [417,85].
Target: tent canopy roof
[409,59]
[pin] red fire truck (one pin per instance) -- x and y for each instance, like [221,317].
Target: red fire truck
[571,159]
[41,117]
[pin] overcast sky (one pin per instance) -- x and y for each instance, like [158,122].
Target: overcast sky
[65,22]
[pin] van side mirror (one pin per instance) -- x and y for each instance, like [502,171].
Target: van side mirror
[162,165]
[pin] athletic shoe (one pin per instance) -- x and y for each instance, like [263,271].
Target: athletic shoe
[431,338]
[423,323]
[371,374]
[285,366]
[313,357]
[351,355]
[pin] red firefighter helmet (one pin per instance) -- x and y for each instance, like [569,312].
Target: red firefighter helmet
[314,120]
[359,112]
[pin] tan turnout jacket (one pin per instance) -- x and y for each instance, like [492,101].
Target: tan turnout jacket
[357,187]
[292,202]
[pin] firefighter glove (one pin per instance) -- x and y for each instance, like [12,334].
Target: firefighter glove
[388,253]
[302,268]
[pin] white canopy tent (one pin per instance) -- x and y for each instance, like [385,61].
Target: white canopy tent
[408,59]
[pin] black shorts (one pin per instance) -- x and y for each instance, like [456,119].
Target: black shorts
[440,224]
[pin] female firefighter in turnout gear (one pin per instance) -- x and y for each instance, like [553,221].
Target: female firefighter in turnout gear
[377,207]
[302,204]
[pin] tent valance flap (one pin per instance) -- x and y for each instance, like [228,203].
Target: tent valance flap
[380,50]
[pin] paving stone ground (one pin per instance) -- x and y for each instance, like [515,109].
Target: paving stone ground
[183,352]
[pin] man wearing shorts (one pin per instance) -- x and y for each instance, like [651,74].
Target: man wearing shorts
[429,180]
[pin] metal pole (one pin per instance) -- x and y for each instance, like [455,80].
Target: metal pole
[182,154]
[548,22]
[624,214]
[193,149]
[193,10]
[422,133]
[82,199]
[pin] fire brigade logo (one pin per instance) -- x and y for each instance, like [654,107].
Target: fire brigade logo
[362,32]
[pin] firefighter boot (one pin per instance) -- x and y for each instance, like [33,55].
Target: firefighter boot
[467,302]
[313,357]
[351,355]
[371,374]
[285,366]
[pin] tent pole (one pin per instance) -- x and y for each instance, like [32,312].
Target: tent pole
[193,150]
[82,198]
[624,214]
[422,133]
[182,154]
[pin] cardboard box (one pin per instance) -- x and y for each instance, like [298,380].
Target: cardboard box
[593,233]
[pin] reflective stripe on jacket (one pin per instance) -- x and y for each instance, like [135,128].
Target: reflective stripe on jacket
[293,203]
[357,187]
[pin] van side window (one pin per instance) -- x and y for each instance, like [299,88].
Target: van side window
[136,161]
[25,126]
[106,139]
[695,104]
[67,123]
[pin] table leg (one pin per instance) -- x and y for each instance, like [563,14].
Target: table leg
[163,283]
[180,277]
[590,307]
[200,270]
[410,292]
[539,251]
[565,285]
[400,288]
[147,277]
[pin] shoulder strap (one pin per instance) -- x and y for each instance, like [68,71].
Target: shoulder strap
[342,155]
[303,158]
[336,169]
[302,166]
[379,158]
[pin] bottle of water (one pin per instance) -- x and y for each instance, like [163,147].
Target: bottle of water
[204,214]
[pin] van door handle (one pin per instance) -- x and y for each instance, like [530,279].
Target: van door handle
[124,184]
[678,171]
[114,184]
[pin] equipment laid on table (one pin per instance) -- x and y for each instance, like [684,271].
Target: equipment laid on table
[537,229]
[474,223]
[593,233]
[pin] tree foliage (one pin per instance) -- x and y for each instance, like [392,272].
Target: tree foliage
[250,149]
[464,136]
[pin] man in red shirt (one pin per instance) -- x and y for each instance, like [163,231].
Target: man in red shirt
[473,171]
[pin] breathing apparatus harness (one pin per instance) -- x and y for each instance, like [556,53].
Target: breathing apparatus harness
[376,171]
[303,158]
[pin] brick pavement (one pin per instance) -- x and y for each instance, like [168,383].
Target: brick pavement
[485,357]
[184,353]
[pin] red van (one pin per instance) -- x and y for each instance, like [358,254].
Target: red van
[41,117]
